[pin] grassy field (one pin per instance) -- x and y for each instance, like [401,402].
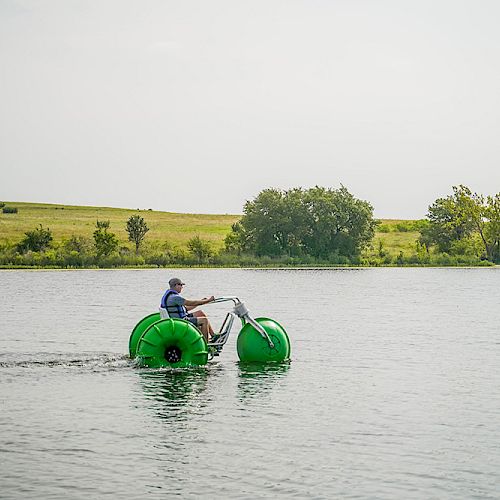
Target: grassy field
[396,241]
[66,220]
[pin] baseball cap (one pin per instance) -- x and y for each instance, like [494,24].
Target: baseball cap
[175,281]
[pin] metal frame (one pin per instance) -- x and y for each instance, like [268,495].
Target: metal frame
[240,311]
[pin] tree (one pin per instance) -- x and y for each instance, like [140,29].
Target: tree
[318,222]
[201,249]
[37,240]
[340,222]
[492,230]
[263,223]
[456,220]
[105,242]
[136,229]
[449,220]
[236,240]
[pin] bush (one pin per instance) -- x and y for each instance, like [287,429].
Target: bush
[158,259]
[105,242]
[403,227]
[200,249]
[400,259]
[36,241]
[179,256]
[420,225]
[387,260]
[78,244]
[9,210]
[336,259]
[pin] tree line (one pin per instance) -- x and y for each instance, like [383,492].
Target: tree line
[316,226]
[332,225]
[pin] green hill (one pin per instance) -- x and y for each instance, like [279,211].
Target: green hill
[67,220]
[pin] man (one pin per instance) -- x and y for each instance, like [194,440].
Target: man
[178,307]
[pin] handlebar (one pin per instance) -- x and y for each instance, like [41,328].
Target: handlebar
[242,312]
[224,299]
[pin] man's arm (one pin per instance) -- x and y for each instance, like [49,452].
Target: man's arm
[191,304]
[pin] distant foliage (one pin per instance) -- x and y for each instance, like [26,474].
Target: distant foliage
[464,223]
[320,222]
[9,210]
[316,227]
[136,229]
[2,204]
[105,242]
[201,249]
[78,244]
[384,228]
[37,240]
[405,226]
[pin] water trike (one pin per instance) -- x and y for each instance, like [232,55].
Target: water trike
[161,341]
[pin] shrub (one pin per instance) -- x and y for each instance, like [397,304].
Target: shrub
[337,259]
[107,261]
[388,260]
[78,244]
[37,240]
[199,248]
[403,227]
[400,259]
[158,259]
[105,242]
[9,210]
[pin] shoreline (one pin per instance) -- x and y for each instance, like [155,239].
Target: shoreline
[257,268]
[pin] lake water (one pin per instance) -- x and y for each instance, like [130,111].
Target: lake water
[392,390]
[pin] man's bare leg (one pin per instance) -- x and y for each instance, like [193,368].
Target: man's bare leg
[202,316]
[202,324]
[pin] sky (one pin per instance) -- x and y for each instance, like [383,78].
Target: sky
[197,106]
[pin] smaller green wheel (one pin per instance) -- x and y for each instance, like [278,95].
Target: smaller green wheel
[252,347]
[174,343]
[138,330]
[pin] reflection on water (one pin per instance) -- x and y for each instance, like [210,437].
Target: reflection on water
[176,393]
[259,370]
[258,379]
[169,392]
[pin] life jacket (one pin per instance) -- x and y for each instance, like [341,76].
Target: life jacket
[174,310]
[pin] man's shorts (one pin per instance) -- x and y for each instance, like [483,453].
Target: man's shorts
[192,319]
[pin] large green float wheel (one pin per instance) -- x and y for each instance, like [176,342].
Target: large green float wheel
[172,343]
[253,347]
[138,330]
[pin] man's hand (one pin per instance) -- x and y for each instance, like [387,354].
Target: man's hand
[206,300]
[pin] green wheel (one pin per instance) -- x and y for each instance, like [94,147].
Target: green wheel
[172,343]
[138,330]
[252,347]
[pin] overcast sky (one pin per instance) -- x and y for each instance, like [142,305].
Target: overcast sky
[196,106]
